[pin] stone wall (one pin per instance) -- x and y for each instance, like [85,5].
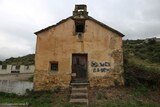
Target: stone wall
[17,87]
[12,68]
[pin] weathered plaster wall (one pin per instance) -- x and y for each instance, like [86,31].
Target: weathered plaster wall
[107,49]
[57,44]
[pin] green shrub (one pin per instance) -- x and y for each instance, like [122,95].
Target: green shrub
[136,74]
[151,41]
[139,91]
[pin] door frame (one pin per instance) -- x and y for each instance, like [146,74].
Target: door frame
[80,54]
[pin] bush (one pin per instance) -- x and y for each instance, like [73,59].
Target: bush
[136,75]
[147,51]
[155,57]
[151,41]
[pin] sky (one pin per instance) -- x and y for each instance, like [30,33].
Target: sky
[19,19]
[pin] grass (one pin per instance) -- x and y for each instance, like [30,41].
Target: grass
[11,98]
[34,99]
[52,99]
[129,104]
[139,91]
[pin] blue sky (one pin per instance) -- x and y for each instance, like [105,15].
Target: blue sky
[19,19]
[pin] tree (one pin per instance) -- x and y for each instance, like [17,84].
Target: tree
[152,41]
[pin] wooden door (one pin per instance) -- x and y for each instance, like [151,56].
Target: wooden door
[79,67]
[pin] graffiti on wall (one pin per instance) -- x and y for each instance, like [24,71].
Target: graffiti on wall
[100,66]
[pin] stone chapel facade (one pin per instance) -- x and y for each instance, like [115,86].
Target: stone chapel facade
[78,49]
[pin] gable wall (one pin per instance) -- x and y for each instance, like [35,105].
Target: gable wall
[58,44]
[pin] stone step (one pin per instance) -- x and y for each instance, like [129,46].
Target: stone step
[80,89]
[79,101]
[79,95]
[79,84]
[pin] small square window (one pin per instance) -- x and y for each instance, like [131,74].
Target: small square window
[54,66]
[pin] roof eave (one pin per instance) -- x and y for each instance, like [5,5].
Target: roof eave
[104,25]
[36,33]
[89,17]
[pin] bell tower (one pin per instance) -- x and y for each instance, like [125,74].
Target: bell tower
[80,12]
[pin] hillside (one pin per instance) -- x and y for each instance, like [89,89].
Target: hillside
[24,60]
[148,51]
[142,63]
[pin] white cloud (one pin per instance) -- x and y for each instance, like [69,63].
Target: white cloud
[10,45]
[19,19]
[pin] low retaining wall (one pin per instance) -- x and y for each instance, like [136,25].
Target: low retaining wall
[17,87]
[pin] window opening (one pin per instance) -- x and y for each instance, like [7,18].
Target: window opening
[17,67]
[4,66]
[54,66]
[79,26]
